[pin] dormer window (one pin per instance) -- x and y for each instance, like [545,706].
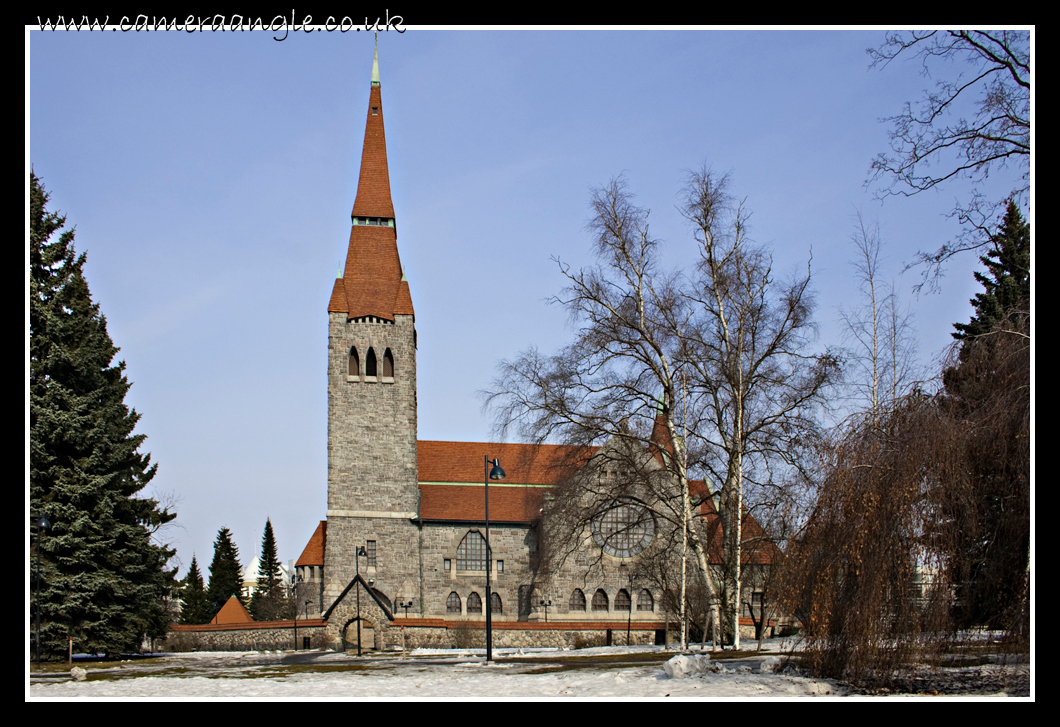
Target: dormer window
[375,111]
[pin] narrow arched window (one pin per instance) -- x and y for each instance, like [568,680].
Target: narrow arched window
[645,602]
[452,604]
[355,363]
[577,600]
[474,603]
[622,600]
[471,553]
[600,600]
[495,603]
[388,364]
[369,364]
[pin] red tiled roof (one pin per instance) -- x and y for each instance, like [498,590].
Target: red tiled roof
[524,464]
[314,549]
[232,613]
[757,548]
[373,186]
[371,283]
[468,503]
[463,462]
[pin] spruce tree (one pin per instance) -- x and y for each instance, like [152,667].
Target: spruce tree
[1007,281]
[196,609]
[268,601]
[988,395]
[226,575]
[104,580]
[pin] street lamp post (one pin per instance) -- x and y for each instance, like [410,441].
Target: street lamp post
[360,551]
[405,604]
[546,604]
[42,525]
[496,473]
[629,616]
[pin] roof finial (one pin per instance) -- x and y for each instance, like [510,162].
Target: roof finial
[375,62]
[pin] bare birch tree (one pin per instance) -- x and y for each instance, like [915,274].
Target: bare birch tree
[713,365]
[748,360]
[618,381]
[881,353]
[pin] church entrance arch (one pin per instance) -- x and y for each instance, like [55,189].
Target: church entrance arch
[349,634]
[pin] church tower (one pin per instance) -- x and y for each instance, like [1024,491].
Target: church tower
[372,478]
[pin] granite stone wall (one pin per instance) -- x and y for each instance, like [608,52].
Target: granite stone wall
[266,636]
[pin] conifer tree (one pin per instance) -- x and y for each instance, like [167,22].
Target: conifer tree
[196,609]
[268,601]
[988,396]
[104,580]
[226,575]
[1007,281]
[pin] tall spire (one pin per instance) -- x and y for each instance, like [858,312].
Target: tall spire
[372,282]
[373,187]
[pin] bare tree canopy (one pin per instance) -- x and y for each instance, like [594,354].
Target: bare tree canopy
[707,371]
[932,142]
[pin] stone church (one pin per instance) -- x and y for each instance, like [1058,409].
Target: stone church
[402,551]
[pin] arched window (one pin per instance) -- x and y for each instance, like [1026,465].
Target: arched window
[471,553]
[495,603]
[645,602]
[474,603]
[452,604]
[388,364]
[600,600]
[355,363]
[369,364]
[622,600]
[577,600]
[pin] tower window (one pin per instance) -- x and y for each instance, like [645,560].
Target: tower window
[370,365]
[370,549]
[388,365]
[355,364]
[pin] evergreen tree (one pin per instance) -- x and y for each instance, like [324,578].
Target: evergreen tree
[226,575]
[1007,280]
[268,601]
[988,396]
[104,581]
[196,608]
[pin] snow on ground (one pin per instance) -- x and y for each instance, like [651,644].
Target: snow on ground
[461,674]
[430,674]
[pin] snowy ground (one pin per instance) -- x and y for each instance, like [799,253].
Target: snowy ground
[603,673]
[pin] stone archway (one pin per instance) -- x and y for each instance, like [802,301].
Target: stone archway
[373,613]
[368,634]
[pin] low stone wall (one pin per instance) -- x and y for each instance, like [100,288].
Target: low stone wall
[426,633]
[256,636]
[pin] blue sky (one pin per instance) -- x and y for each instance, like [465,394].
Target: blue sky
[211,175]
